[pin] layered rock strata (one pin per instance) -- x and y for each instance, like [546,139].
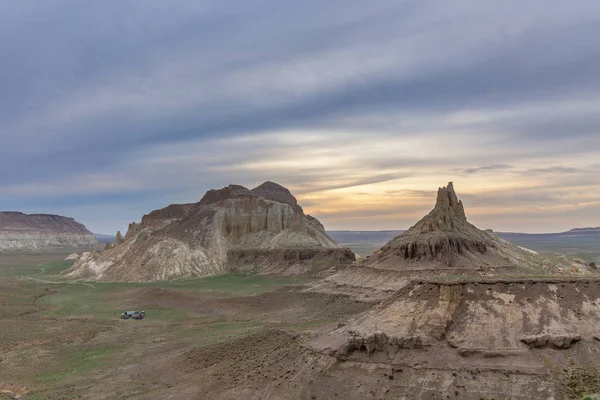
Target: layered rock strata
[42,232]
[442,239]
[234,228]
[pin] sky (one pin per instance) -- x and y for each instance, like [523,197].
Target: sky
[110,109]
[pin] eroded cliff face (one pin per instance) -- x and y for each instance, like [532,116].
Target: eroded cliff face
[43,232]
[530,335]
[227,229]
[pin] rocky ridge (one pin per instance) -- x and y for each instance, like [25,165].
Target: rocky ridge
[261,230]
[42,232]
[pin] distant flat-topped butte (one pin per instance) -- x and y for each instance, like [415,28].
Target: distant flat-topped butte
[21,232]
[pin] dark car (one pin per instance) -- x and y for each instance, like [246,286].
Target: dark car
[133,314]
[140,315]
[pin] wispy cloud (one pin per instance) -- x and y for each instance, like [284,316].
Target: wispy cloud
[163,101]
[488,168]
[361,182]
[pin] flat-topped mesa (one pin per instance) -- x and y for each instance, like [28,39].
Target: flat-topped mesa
[259,230]
[19,222]
[43,232]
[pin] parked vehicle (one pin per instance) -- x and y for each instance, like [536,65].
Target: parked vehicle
[140,315]
[133,314]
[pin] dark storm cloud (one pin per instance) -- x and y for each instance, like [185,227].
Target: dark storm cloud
[88,89]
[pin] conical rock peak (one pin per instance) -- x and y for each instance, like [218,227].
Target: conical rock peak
[448,213]
[443,237]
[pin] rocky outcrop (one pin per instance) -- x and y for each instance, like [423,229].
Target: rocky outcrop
[448,297]
[378,342]
[288,261]
[443,238]
[557,341]
[43,232]
[119,238]
[261,230]
[445,241]
[479,320]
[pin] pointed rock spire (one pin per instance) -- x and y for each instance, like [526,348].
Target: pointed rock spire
[119,239]
[447,214]
[442,237]
[447,200]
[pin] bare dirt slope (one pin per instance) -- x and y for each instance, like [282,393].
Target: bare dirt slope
[258,230]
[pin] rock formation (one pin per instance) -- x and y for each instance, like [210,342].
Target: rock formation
[43,232]
[260,230]
[449,298]
[513,329]
[119,238]
[444,241]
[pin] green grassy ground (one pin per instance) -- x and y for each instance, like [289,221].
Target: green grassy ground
[55,331]
[102,300]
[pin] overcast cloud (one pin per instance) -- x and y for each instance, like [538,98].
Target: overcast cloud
[110,109]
